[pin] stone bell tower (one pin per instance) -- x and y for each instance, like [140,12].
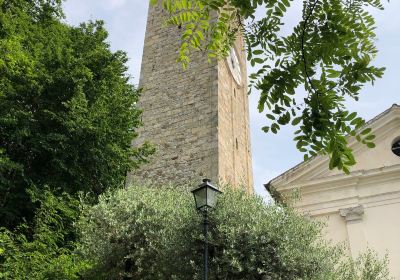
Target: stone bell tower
[198,118]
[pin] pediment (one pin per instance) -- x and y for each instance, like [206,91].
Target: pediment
[378,157]
[386,128]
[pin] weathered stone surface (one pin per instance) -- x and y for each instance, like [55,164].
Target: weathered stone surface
[197,118]
[352,213]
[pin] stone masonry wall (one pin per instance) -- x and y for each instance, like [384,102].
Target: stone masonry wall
[179,109]
[233,123]
[193,129]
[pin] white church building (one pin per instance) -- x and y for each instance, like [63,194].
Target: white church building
[363,208]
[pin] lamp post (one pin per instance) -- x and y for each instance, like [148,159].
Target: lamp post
[205,197]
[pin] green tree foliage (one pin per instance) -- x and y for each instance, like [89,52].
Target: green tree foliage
[67,109]
[329,54]
[46,250]
[156,233]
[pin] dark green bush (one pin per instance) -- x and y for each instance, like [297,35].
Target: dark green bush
[45,250]
[67,109]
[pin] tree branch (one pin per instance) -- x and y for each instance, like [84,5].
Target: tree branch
[302,45]
[303,51]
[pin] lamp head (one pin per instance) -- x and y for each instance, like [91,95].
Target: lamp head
[205,195]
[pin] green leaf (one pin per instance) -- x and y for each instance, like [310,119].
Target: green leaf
[265,129]
[370,137]
[333,73]
[257,60]
[371,145]
[351,116]
[296,121]
[366,131]
[271,117]
[286,3]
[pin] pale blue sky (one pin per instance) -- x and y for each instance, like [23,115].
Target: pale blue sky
[272,154]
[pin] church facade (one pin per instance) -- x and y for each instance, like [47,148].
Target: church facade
[361,209]
[198,118]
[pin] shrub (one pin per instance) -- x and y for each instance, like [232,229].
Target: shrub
[45,250]
[149,232]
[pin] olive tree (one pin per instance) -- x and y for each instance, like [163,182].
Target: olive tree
[150,232]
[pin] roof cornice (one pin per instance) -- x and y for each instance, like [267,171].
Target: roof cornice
[374,175]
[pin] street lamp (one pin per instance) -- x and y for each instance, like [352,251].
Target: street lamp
[205,197]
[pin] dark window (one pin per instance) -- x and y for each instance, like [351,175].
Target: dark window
[396,148]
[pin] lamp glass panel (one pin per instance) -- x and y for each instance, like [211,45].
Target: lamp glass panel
[201,197]
[212,197]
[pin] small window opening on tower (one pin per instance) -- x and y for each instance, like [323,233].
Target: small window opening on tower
[237,144]
[234,92]
[396,147]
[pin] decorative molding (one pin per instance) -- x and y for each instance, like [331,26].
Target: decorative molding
[343,191]
[376,175]
[352,213]
[331,207]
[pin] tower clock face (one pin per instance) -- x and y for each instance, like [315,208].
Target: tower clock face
[234,66]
